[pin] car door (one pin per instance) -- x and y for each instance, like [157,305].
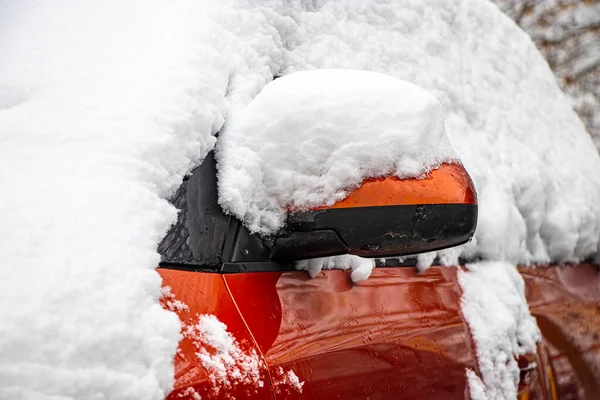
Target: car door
[397,335]
[216,357]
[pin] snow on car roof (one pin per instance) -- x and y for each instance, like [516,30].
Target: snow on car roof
[104,107]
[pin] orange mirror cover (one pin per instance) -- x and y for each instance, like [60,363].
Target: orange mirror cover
[448,184]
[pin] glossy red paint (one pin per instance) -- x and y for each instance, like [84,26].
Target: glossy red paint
[199,294]
[566,303]
[398,335]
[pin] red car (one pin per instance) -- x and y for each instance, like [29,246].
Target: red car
[254,326]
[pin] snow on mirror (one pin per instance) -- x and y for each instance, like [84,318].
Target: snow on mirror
[310,137]
[337,162]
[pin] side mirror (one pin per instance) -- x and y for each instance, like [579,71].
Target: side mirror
[386,217]
[382,218]
[400,127]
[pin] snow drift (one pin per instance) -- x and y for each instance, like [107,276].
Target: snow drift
[103,108]
[494,305]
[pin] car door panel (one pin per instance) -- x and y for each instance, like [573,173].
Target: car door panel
[398,334]
[201,371]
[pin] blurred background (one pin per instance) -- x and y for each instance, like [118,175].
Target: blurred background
[567,32]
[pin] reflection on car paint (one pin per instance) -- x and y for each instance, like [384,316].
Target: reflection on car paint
[566,303]
[224,366]
[399,334]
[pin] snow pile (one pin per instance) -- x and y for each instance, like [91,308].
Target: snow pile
[103,108]
[361,267]
[566,32]
[220,354]
[494,306]
[310,138]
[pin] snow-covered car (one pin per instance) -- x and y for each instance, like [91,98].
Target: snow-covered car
[105,107]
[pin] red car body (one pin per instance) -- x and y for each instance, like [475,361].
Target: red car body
[398,335]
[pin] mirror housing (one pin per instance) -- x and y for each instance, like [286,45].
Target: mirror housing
[386,217]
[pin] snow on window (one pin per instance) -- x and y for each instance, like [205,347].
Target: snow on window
[309,138]
[494,305]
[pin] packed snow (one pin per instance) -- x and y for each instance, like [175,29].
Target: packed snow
[361,267]
[286,382]
[311,137]
[105,106]
[227,364]
[532,162]
[493,304]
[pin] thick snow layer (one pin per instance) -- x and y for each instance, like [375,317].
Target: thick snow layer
[533,164]
[103,108]
[310,138]
[494,305]
[361,267]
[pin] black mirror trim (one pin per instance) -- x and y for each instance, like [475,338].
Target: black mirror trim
[383,231]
